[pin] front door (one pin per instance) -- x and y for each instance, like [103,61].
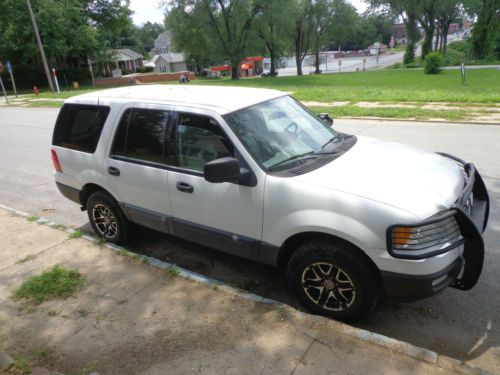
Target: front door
[225,215]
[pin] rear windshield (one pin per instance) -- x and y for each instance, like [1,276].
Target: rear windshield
[79,127]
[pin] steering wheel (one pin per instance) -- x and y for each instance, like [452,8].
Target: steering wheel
[294,126]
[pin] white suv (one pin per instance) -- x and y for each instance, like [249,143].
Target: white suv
[253,173]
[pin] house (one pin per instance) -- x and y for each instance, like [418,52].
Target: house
[123,59]
[165,60]
[169,63]
[377,48]
[399,33]
[163,43]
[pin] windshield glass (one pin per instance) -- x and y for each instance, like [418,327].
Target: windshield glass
[281,133]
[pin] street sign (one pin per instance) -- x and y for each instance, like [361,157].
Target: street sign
[8,65]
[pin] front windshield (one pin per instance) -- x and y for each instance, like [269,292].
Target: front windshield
[281,133]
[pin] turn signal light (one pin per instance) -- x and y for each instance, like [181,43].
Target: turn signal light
[402,235]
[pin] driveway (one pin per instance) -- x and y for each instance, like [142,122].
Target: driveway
[463,325]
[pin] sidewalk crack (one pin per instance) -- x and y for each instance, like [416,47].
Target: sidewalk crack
[38,253]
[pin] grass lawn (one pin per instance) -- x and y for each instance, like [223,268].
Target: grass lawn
[57,282]
[393,113]
[483,86]
[388,86]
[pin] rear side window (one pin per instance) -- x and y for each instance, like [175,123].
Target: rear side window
[142,134]
[79,127]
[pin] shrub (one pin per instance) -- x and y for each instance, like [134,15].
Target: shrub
[432,63]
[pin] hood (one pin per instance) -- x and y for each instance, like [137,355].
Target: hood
[417,181]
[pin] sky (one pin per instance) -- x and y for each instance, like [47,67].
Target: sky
[149,10]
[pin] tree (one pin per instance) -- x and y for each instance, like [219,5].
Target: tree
[486,29]
[148,33]
[227,22]
[409,11]
[81,30]
[321,14]
[274,26]
[302,31]
[427,19]
[447,12]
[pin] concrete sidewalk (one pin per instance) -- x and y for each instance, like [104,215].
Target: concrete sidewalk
[132,318]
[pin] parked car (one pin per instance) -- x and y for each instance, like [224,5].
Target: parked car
[267,73]
[254,173]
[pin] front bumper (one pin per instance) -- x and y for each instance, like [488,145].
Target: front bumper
[471,212]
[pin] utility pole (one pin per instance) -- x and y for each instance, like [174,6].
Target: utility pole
[40,46]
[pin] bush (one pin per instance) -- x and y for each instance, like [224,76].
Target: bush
[432,63]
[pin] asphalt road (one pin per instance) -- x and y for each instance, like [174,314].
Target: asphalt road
[464,325]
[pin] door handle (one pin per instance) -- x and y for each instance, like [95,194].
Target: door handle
[113,171]
[185,187]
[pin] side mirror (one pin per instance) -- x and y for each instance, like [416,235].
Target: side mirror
[326,118]
[228,170]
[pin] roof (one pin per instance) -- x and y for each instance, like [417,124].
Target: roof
[169,57]
[217,98]
[125,54]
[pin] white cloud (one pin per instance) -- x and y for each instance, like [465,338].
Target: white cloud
[360,5]
[147,10]
[150,10]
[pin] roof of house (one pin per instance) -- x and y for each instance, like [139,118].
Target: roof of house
[220,99]
[169,57]
[125,54]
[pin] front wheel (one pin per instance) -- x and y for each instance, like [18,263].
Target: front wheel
[333,280]
[106,218]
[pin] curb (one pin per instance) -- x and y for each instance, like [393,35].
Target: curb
[393,345]
[415,120]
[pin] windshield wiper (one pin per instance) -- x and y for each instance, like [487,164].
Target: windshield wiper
[293,158]
[310,153]
[336,138]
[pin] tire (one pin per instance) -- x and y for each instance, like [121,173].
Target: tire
[107,219]
[333,280]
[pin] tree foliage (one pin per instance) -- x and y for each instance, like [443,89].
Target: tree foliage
[486,32]
[225,24]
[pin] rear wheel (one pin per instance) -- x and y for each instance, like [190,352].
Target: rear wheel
[333,280]
[106,218]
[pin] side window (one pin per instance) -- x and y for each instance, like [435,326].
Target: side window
[79,127]
[142,134]
[200,140]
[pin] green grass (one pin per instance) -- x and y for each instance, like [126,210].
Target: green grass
[483,86]
[22,364]
[57,282]
[31,219]
[396,113]
[45,104]
[171,272]
[77,233]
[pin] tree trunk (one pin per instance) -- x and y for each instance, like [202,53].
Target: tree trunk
[438,39]
[427,44]
[411,36]
[444,41]
[298,59]
[316,62]
[234,72]
[273,63]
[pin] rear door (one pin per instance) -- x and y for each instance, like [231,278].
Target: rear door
[137,164]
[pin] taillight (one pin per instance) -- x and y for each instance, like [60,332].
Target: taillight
[55,161]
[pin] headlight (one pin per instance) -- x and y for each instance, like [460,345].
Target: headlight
[434,236]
